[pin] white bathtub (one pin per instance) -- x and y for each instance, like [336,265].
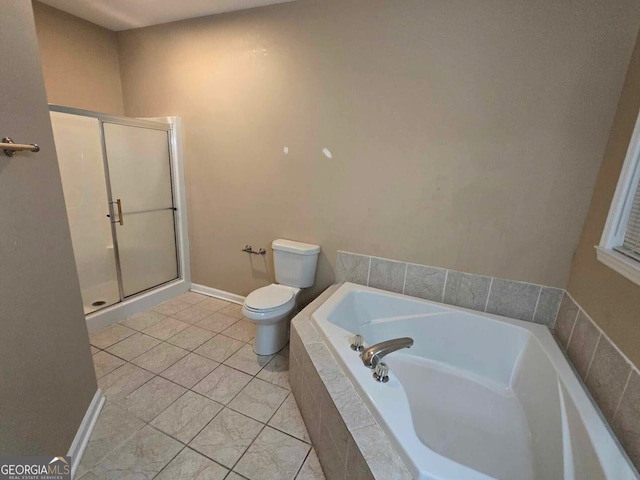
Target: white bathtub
[478,396]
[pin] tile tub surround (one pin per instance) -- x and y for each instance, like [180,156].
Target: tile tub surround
[520,300]
[348,441]
[610,378]
[173,411]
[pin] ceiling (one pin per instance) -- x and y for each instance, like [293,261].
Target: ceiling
[125,14]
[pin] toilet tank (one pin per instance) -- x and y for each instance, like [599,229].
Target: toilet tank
[295,262]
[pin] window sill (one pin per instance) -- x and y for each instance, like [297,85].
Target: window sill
[625,266]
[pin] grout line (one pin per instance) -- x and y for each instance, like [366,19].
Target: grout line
[404,282]
[242,477]
[303,462]
[350,445]
[535,309]
[444,287]
[264,425]
[369,271]
[573,327]
[172,458]
[554,318]
[486,303]
[624,390]
[593,355]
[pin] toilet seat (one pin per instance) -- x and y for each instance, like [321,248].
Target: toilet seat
[270,298]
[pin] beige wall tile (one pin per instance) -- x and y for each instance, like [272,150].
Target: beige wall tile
[513,299]
[583,343]
[466,290]
[357,467]
[566,320]
[607,377]
[425,282]
[548,306]
[387,274]
[626,422]
[352,268]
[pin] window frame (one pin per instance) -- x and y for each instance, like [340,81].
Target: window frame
[619,212]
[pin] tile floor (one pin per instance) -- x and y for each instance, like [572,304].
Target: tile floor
[188,399]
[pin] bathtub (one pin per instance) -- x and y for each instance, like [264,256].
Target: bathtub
[478,396]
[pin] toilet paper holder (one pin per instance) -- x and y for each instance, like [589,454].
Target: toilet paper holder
[249,249]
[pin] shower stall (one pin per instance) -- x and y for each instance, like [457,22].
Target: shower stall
[123,187]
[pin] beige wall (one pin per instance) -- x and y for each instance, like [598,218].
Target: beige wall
[611,300]
[463,136]
[79,61]
[46,379]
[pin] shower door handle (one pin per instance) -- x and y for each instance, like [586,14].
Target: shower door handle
[119,204]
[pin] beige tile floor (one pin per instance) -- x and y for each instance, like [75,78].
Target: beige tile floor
[188,399]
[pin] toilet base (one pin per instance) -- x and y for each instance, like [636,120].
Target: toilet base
[271,339]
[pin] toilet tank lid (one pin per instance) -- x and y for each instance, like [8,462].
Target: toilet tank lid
[295,247]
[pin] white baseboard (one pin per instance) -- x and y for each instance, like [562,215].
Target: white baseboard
[84,432]
[214,292]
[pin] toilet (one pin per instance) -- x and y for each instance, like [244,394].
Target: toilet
[270,307]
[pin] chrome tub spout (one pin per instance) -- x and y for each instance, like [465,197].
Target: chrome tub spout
[375,353]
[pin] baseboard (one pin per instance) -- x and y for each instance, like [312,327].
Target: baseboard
[84,432]
[214,292]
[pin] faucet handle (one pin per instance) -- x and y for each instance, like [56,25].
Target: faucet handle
[357,343]
[381,373]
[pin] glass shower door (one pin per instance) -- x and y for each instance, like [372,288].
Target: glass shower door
[140,180]
[79,150]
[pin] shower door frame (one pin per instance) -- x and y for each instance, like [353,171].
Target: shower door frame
[145,299]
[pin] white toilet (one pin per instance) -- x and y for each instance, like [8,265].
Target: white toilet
[270,307]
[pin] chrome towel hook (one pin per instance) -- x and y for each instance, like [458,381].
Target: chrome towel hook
[10,148]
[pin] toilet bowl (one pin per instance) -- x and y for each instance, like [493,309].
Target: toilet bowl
[270,307]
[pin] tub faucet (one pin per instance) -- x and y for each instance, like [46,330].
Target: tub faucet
[375,353]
